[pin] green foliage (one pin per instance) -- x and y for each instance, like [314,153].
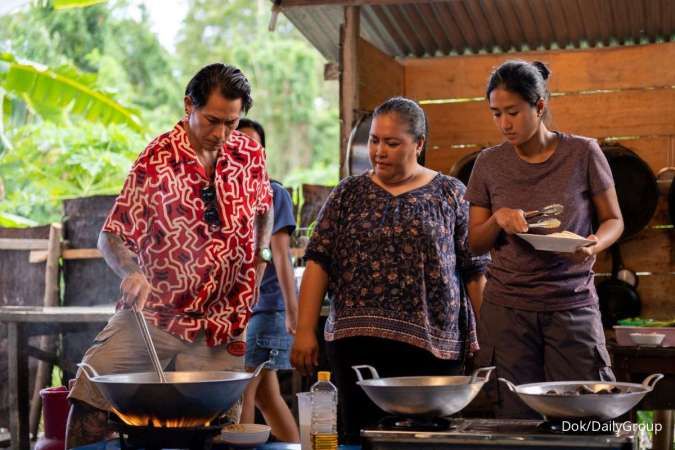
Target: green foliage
[57,162]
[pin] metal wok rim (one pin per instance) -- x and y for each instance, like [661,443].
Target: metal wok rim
[382,382]
[124,378]
[640,389]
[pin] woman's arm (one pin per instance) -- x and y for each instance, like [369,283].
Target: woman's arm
[281,257]
[305,353]
[611,222]
[474,289]
[484,228]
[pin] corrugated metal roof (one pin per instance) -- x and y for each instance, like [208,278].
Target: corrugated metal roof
[442,28]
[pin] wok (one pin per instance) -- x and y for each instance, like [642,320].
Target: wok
[430,396]
[597,406]
[186,399]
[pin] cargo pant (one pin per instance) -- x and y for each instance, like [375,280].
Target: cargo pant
[531,347]
[119,348]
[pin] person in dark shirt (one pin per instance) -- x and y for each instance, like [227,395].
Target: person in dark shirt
[390,248]
[540,319]
[270,331]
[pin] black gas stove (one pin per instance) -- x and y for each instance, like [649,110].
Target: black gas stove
[403,434]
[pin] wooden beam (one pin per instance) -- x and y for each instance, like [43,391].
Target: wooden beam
[23,244]
[349,79]
[373,87]
[572,71]
[301,3]
[39,256]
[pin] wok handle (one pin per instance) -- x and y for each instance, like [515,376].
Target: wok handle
[257,370]
[373,373]
[86,369]
[511,386]
[477,372]
[651,380]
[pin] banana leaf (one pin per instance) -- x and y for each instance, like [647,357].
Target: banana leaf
[65,4]
[52,89]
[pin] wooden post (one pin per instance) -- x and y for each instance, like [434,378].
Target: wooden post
[18,378]
[349,80]
[47,343]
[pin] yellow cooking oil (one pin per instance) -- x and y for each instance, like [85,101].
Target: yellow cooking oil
[324,441]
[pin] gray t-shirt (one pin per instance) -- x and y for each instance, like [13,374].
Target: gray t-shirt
[519,276]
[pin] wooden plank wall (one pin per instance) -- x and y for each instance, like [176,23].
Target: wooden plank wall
[624,95]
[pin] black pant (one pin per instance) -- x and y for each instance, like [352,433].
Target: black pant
[391,359]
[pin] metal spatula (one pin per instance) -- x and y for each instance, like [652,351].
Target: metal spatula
[145,333]
[550,210]
[548,223]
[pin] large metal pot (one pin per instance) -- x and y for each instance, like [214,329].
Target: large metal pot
[186,399]
[432,396]
[565,405]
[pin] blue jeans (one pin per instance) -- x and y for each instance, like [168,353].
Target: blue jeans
[266,338]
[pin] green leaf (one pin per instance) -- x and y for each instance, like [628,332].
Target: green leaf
[8,220]
[50,88]
[66,4]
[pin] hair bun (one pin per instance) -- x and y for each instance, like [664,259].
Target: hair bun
[543,70]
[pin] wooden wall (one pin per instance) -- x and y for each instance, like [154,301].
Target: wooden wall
[624,95]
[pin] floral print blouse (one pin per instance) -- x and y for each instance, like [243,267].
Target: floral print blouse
[395,264]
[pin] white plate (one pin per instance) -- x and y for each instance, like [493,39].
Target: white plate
[244,435]
[561,244]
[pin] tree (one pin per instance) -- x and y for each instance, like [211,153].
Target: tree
[296,107]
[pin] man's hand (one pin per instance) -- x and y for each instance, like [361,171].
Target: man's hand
[135,290]
[511,220]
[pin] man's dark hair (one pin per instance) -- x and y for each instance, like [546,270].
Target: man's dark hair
[250,123]
[229,80]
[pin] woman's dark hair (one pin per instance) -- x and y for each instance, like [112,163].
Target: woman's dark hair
[523,78]
[250,123]
[229,80]
[412,115]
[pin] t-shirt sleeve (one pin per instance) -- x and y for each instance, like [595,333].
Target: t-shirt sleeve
[467,263]
[131,212]
[283,210]
[322,244]
[477,193]
[599,173]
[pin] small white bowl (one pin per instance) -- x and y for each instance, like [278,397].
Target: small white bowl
[647,339]
[244,435]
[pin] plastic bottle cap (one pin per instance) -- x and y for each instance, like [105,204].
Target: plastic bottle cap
[324,376]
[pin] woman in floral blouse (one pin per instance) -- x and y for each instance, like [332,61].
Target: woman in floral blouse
[390,249]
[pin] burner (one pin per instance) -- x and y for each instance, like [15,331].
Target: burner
[414,423]
[133,437]
[578,426]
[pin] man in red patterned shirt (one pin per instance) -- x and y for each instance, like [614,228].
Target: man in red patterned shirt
[189,236]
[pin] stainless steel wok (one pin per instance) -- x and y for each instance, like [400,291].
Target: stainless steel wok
[185,399]
[432,396]
[564,404]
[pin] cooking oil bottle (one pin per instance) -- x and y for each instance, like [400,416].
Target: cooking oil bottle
[324,413]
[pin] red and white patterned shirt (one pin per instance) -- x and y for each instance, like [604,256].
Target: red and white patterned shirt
[202,277]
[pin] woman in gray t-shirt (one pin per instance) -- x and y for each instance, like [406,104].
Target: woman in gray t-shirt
[540,319]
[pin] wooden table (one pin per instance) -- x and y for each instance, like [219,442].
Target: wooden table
[25,321]
[633,364]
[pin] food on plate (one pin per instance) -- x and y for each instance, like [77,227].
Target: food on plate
[566,234]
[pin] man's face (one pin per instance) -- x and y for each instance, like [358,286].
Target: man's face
[211,125]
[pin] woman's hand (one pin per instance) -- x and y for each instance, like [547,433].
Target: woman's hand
[305,352]
[582,254]
[511,220]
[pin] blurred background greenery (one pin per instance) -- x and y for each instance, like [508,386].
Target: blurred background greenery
[86,84]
